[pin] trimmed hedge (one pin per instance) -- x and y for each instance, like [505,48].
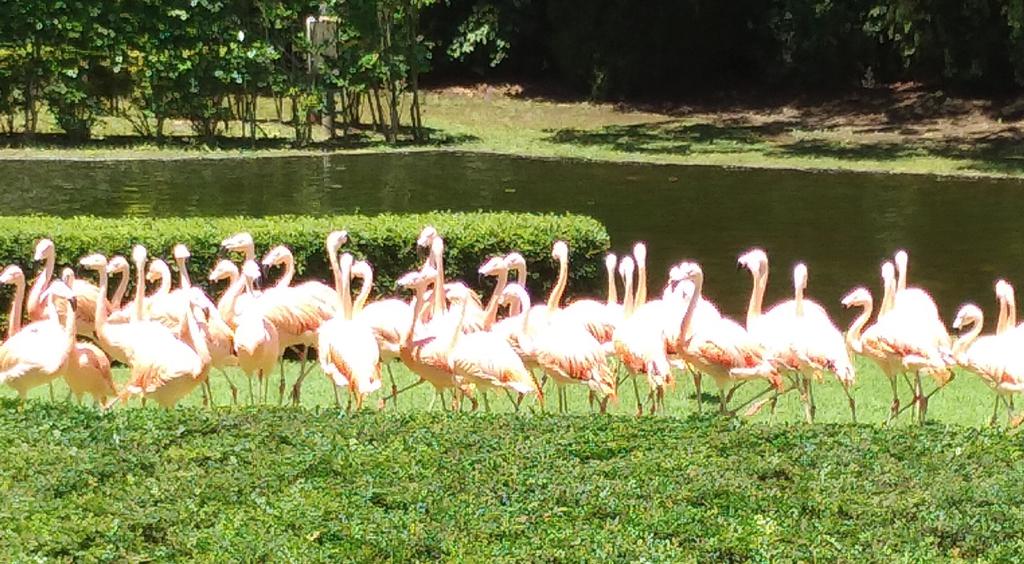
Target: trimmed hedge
[284,485]
[387,241]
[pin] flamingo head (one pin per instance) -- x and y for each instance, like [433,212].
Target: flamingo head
[223,269]
[181,252]
[251,271]
[335,240]
[515,293]
[96,262]
[901,259]
[857,297]
[800,276]
[686,271]
[515,261]
[457,292]
[560,251]
[888,273]
[139,254]
[68,276]
[345,261]
[61,290]
[417,279]
[627,267]
[276,256]
[754,260]
[239,242]
[493,267]
[44,250]
[426,238]
[118,264]
[968,315]
[640,254]
[610,261]
[362,269]
[12,274]
[157,270]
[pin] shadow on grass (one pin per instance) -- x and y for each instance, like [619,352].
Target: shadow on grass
[354,139]
[1000,151]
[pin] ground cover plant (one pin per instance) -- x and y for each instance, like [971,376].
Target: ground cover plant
[269,483]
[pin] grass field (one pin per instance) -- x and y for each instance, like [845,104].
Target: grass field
[965,401]
[891,131]
[259,484]
[318,483]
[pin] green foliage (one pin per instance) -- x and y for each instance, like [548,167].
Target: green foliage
[283,484]
[387,241]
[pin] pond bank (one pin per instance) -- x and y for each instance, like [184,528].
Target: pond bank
[888,132]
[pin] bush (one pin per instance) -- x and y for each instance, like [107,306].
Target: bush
[287,484]
[387,241]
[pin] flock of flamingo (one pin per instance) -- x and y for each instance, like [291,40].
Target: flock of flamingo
[172,337]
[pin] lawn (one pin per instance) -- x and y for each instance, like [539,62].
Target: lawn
[912,131]
[318,483]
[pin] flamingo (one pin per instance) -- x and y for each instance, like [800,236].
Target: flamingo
[35,355]
[426,356]
[994,358]
[910,331]
[387,318]
[86,293]
[639,340]
[230,307]
[347,347]
[296,314]
[163,367]
[563,349]
[719,347]
[485,359]
[257,344]
[517,262]
[87,370]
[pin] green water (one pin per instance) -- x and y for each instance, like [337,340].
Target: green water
[962,234]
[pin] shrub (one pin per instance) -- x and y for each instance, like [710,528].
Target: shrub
[387,241]
[287,484]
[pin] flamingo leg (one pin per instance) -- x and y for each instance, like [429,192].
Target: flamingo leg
[252,398]
[430,407]
[487,402]
[395,393]
[231,386]
[636,393]
[394,386]
[853,403]
[697,377]
[894,408]
[995,412]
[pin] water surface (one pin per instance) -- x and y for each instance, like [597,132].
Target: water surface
[962,234]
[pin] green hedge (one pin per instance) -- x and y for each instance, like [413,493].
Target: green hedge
[387,241]
[284,485]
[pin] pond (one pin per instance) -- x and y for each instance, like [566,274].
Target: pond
[962,234]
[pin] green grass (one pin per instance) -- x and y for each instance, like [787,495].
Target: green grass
[295,485]
[781,137]
[966,401]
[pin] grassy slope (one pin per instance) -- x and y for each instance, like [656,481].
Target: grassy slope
[783,137]
[266,483]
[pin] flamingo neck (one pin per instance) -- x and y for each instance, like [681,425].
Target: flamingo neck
[491,312]
[613,292]
[563,277]
[164,287]
[1003,313]
[364,292]
[853,335]
[760,280]
[1011,309]
[901,276]
[517,307]
[458,325]
[15,320]
[289,272]
[196,337]
[691,307]
[888,296]
[627,295]
[226,303]
[641,284]
[346,292]
[38,287]
[140,289]
[69,323]
[438,284]
[964,342]
[101,304]
[183,279]
[122,288]
[417,303]
[798,298]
